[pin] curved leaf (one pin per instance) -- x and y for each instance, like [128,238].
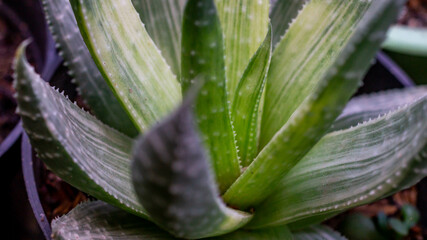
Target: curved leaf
[244,24]
[282,14]
[309,49]
[318,232]
[128,59]
[98,220]
[203,64]
[351,167]
[366,107]
[319,109]
[162,19]
[246,107]
[77,147]
[91,85]
[174,183]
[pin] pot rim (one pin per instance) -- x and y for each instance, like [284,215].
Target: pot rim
[406,40]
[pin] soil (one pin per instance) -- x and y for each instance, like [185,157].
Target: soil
[415,14]
[390,206]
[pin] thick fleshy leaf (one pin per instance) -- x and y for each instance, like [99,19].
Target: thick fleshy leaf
[173,181]
[244,24]
[162,19]
[91,85]
[317,232]
[357,165]
[98,220]
[203,65]
[128,59]
[282,14]
[74,145]
[320,108]
[309,49]
[246,108]
[366,107]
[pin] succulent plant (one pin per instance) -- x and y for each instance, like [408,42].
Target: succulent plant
[245,127]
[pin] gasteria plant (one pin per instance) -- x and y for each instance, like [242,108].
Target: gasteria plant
[256,150]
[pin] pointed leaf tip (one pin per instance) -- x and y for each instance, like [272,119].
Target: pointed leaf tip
[174,182]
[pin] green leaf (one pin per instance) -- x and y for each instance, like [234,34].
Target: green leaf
[173,181]
[410,215]
[318,232]
[357,226]
[162,19]
[91,85]
[398,226]
[98,220]
[282,14]
[203,65]
[244,24]
[128,59]
[319,108]
[354,166]
[366,107]
[246,105]
[310,48]
[77,147]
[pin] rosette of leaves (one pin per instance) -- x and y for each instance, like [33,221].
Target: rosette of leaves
[221,119]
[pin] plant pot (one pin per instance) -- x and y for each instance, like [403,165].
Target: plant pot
[407,46]
[27,18]
[20,20]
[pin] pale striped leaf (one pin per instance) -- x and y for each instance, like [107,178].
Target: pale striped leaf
[246,109]
[282,14]
[174,183]
[98,220]
[310,47]
[91,85]
[319,108]
[77,147]
[244,24]
[357,165]
[128,59]
[318,232]
[203,65]
[366,107]
[163,19]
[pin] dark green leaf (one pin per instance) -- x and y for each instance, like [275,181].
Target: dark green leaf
[246,108]
[410,215]
[174,184]
[203,64]
[398,226]
[318,232]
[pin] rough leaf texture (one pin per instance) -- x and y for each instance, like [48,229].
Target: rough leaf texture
[203,66]
[174,183]
[91,85]
[357,165]
[128,59]
[80,149]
